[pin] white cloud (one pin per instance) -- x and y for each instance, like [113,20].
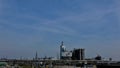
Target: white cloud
[44,28]
[93,18]
[58,25]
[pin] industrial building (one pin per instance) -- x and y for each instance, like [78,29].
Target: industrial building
[64,54]
[76,54]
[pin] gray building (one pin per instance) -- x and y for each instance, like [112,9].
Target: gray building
[78,54]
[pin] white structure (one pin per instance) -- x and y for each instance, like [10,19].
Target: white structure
[64,54]
[67,54]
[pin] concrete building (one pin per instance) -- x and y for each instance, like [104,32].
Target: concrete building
[78,54]
[64,54]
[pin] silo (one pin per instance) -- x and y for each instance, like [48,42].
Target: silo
[78,54]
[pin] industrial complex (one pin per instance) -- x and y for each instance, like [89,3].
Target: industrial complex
[68,59]
[76,54]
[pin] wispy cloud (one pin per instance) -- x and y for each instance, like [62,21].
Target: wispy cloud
[92,18]
[88,24]
[44,28]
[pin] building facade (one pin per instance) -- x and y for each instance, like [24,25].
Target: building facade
[78,54]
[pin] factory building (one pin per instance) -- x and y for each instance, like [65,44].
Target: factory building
[64,54]
[78,54]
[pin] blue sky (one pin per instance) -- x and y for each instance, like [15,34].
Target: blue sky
[27,26]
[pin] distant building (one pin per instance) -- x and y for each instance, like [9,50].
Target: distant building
[36,56]
[98,57]
[78,54]
[64,54]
